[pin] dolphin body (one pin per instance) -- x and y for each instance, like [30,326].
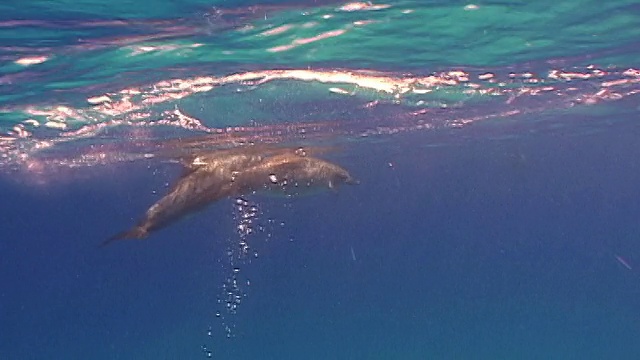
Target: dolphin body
[215,175]
[291,173]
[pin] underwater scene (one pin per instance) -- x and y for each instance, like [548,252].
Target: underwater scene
[319,179]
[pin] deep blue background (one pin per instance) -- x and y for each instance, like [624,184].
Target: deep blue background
[469,243]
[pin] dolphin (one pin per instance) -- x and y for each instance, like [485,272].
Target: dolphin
[214,175]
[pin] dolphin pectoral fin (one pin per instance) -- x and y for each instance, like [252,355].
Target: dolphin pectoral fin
[135,233]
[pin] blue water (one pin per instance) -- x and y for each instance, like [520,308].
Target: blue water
[514,237]
[486,249]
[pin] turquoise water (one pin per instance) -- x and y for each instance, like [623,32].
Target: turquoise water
[495,143]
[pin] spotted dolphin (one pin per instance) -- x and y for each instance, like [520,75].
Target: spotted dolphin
[214,175]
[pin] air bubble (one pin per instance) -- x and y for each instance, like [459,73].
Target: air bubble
[207,351]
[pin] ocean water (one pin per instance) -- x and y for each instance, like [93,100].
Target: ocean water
[495,144]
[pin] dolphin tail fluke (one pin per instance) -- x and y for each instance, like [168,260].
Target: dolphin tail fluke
[135,233]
